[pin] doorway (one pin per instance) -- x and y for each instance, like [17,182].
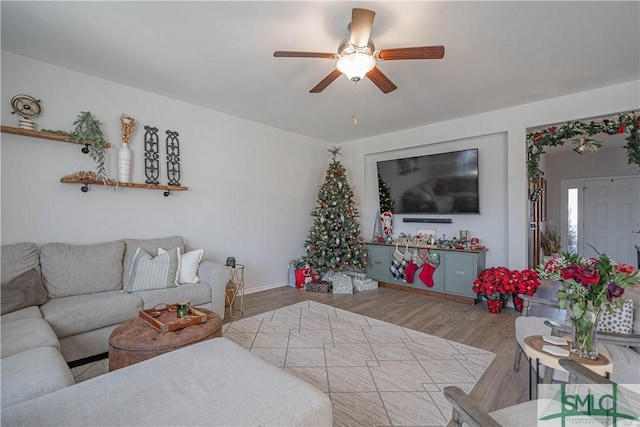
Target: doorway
[601,213]
[570,177]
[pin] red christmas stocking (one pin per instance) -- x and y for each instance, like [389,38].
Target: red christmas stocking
[426,275]
[410,271]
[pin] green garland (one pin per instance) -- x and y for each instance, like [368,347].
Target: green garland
[557,135]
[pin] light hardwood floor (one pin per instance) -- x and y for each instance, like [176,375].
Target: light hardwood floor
[469,324]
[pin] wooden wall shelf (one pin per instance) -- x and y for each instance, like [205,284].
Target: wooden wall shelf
[43,135]
[86,182]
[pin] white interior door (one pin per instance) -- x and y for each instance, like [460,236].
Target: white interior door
[611,214]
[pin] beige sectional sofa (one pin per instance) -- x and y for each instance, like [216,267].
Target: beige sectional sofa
[212,383]
[84,287]
[60,303]
[79,294]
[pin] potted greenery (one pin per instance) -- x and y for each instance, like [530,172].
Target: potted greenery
[87,131]
[550,242]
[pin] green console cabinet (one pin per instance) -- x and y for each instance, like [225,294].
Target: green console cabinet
[460,269]
[379,262]
[454,276]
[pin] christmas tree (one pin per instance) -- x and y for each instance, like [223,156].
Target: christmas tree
[386,202]
[334,241]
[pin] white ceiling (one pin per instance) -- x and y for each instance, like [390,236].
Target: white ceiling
[220,55]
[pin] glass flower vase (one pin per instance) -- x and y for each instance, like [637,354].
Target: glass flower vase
[583,335]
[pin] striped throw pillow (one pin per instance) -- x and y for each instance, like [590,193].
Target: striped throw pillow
[154,273]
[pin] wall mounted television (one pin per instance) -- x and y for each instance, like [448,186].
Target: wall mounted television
[445,183]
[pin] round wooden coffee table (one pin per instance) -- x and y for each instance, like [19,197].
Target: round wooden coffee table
[134,340]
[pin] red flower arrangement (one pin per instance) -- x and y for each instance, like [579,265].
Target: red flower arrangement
[493,283]
[496,282]
[526,282]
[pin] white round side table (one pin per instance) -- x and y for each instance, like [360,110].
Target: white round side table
[533,350]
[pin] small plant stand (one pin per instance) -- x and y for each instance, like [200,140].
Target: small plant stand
[235,289]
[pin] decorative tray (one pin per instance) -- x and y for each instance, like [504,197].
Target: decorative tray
[166,319]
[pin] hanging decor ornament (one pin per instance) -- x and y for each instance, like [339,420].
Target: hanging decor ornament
[582,134]
[173,158]
[151,156]
[128,125]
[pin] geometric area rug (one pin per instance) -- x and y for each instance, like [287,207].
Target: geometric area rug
[375,373]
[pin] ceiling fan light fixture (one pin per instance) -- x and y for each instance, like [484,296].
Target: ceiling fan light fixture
[587,144]
[356,65]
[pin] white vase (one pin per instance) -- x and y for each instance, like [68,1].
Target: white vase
[124,163]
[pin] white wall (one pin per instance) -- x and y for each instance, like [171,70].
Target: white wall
[251,187]
[510,121]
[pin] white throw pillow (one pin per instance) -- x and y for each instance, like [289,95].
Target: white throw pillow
[189,264]
[153,273]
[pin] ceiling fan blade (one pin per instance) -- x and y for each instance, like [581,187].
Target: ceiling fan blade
[423,52]
[293,54]
[379,79]
[326,81]
[361,23]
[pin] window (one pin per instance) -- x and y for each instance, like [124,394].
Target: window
[572,220]
[571,193]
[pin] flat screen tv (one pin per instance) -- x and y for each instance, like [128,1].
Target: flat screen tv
[445,183]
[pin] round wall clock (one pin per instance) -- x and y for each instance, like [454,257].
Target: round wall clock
[28,107]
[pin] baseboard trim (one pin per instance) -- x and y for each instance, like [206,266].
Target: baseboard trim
[267,287]
[442,295]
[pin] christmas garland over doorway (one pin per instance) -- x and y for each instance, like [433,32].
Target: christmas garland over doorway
[582,133]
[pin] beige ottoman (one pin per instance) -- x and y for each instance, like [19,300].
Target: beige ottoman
[134,340]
